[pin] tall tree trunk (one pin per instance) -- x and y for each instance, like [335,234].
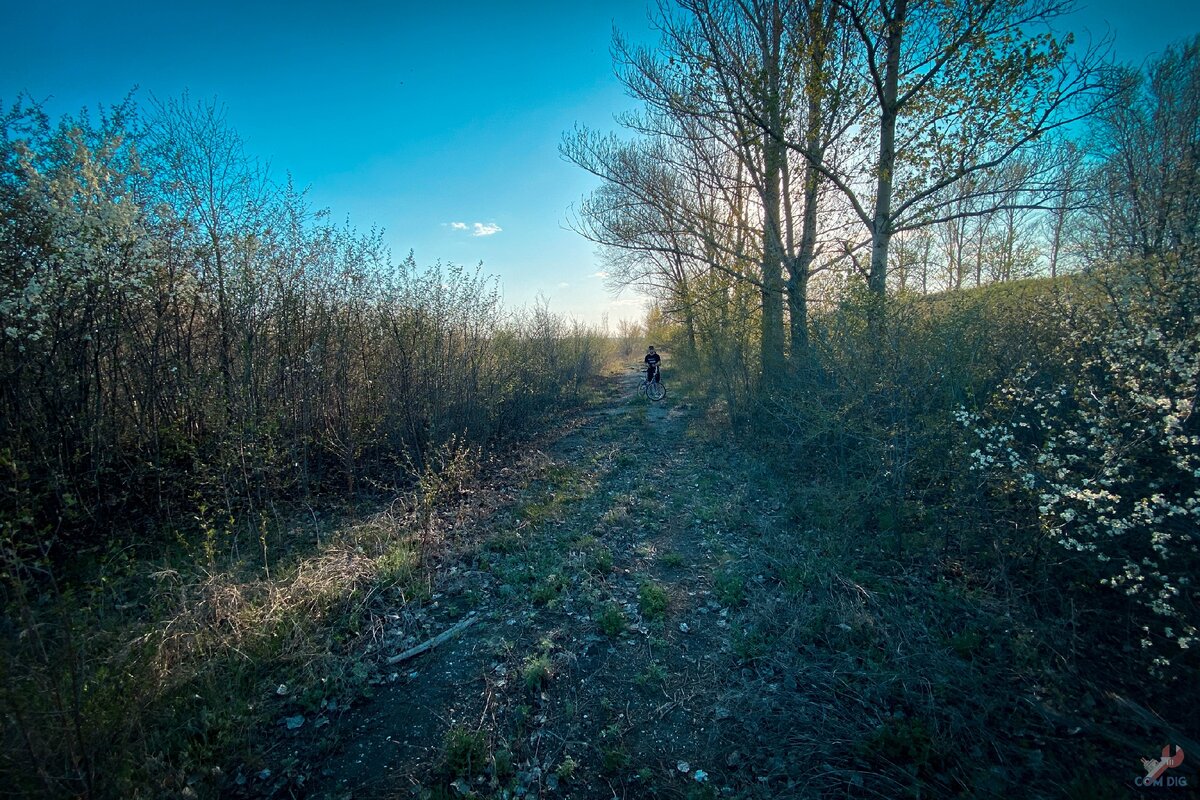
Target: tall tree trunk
[1056,242]
[925,257]
[979,262]
[1059,218]
[821,23]
[224,324]
[797,295]
[689,314]
[881,226]
[772,269]
[801,265]
[774,155]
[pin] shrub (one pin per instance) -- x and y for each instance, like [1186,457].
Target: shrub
[730,586]
[600,560]
[1110,456]
[179,382]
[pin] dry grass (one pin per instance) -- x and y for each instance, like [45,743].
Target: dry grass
[180,660]
[190,681]
[222,614]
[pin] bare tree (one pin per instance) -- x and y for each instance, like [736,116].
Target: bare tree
[955,91]
[219,192]
[664,216]
[779,84]
[1067,199]
[1148,181]
[736,90]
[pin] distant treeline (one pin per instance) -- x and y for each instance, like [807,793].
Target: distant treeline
[180,332]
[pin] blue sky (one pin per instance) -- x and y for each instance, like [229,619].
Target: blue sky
[409,116]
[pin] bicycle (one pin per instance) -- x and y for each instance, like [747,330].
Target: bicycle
[653,389]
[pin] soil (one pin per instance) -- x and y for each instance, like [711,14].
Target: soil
[598,663]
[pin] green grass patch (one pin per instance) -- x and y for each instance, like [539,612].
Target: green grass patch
[549,590]
[749,644]
[796,578]
[611,620]
[504,542]
[617,515]
[671,559]
[399,563]
[566,768]
[538,512]
[652,600]
[503,764]
[967,643]
[654,675]
[614,757]
[465,752]
[561,486]
[729,586]
[904,740]
[600,560]
[537,672]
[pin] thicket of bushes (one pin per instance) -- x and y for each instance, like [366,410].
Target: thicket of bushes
[1004,486]
[190,357]
[176,330]
[1100,442]
[1043,428]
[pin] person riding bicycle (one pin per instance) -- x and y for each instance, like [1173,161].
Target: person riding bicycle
[652,371]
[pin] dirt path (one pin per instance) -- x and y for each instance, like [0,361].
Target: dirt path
[661,616]
[607,630]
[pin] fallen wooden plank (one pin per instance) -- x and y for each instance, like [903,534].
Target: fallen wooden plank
[429,644]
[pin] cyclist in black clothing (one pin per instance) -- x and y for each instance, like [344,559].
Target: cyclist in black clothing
[652,359]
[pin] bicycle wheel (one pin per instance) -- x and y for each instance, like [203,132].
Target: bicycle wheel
[656,391]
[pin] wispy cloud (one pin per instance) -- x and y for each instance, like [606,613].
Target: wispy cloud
[599,274]
[476,228]
[563,285]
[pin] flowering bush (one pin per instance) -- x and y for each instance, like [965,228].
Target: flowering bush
[1108,449]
